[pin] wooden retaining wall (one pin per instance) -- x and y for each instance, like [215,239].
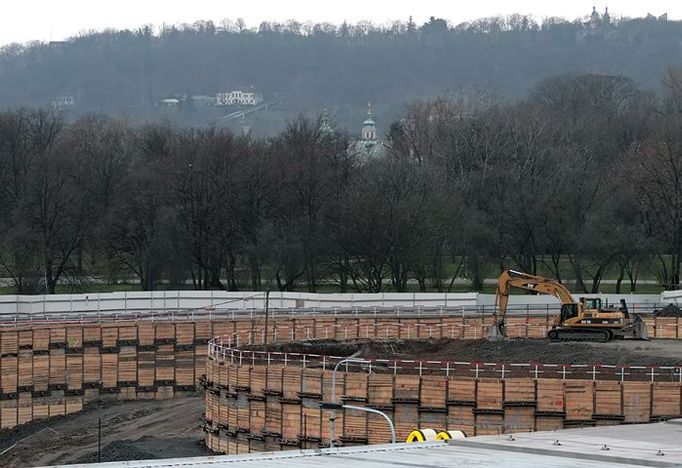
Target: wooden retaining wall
[255,408]
[55,368]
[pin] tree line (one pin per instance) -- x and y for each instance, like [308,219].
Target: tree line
[338,66]
[580,178]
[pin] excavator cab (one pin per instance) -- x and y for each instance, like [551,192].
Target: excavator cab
[569,311]
[590,303]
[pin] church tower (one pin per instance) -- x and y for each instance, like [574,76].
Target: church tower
[369,129]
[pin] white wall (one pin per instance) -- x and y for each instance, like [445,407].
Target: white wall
[140,302]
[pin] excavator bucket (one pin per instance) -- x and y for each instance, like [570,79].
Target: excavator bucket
[496,332]
[639,330]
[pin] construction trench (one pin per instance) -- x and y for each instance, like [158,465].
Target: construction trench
[428,371]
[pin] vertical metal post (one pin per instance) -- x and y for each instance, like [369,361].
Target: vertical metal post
[99,440]
[267,313]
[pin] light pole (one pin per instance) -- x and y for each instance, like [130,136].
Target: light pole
[334,406]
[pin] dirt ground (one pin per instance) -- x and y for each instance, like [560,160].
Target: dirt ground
[131,430]
[622,352]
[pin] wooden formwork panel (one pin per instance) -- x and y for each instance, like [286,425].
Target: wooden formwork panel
[310,418]
[461,418]
[232,447]
[388,329]
[127,364]
[203,330]
[666,399]
[607,398]
[74,337]
[428,328]
[243,381]
[355,388]
[489,424]
[548,423]
[164,331]
[109,370]
[9,343]
[406,418]
[579,400]
[489,393]
[550,395]
[92,334]
[346,329]
[378,430]
[516,327]
[232,377]
[354,424]
[367,328]
[184,367]
[221,328]
[25,368]
[243,409]
[8,413]
[8,367]
[184,333]
[291,421]
[473,329]
[146,368]
[537,327]
[57,366]
[25,339]
[109,336]
[92,365]
[57,403]
[258,380]
[127,333]
[230,404]
[462,389]
[165,362]
[273,415]
[257,415]
[58,335]
[380,390]
[41,339]
[637,401]
[73,404]
[406,387]
[146,333]
[74,371]
[223,409]
[311,382]
[25,408]
[519,389]
[324,328]
[304,329]
[41,371]
[433,391]
[519,419]
[224,376]
[666,327]
[291,382]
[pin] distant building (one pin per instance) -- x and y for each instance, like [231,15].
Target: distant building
[170,102]
[63,101]
[369,145]
[239,97]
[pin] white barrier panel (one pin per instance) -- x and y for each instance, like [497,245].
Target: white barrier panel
[139,301]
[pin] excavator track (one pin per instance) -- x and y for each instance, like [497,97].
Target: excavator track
[580,334]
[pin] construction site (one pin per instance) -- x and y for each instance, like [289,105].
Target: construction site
[135,377]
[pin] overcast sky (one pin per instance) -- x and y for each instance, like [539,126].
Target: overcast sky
[24,20]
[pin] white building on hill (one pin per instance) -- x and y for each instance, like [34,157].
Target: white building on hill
[239,97]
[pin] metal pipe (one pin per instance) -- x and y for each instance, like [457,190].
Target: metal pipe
[372,410]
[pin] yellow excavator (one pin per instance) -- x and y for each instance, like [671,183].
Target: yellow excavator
[585,320]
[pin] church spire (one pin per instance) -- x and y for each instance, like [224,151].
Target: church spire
[369,131]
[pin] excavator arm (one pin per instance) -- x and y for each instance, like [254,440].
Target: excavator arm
[510,279]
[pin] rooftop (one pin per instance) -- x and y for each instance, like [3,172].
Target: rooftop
[656,444]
